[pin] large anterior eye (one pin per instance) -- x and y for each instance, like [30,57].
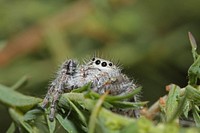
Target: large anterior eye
[103,64]
[97,62]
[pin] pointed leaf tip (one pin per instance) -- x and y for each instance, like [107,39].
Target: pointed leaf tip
[192,40]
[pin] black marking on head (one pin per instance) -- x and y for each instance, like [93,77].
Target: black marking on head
[103,64]
[70,66]
[93,59]
[97,62]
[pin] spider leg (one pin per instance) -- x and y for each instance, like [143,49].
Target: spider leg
[128,87]
[48,95]
[57,87]
[56,96]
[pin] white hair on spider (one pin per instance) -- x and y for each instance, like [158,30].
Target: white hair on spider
[103,74]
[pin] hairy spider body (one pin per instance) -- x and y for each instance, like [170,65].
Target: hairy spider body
[102,74]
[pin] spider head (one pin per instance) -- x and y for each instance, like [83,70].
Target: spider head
[103,65]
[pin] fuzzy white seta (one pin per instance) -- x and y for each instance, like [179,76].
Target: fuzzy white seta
[103,75]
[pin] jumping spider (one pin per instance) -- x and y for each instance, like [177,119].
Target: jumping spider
[102,74]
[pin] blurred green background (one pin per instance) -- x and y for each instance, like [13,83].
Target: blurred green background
[149,38]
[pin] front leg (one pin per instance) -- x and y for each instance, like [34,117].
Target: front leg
[57,87]
[51,89]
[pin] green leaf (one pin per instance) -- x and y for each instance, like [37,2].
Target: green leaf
[124,104]
[94,114]
[196,115]
[193,44]
[11,129]
[17,116]
[93,94]
[76,97]
[125,96]
[186,108]
[67,124]
[51,125]
[33,114]
[80,114]
[16,99]
[131,128]
[84,88]
[23,81]
[170,128]
[113,121]
[194,72]
[144,125]
[67,100]
[193,94]
[172,102]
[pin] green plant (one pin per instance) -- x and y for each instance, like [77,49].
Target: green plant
[83,110]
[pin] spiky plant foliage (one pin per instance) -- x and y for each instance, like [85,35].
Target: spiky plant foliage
[83,110]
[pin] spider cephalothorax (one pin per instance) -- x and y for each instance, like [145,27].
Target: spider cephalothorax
[102,64]
[102,74]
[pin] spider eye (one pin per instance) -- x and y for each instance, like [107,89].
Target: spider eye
[103,64]
[93,59]
[110,64]
[97,62]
